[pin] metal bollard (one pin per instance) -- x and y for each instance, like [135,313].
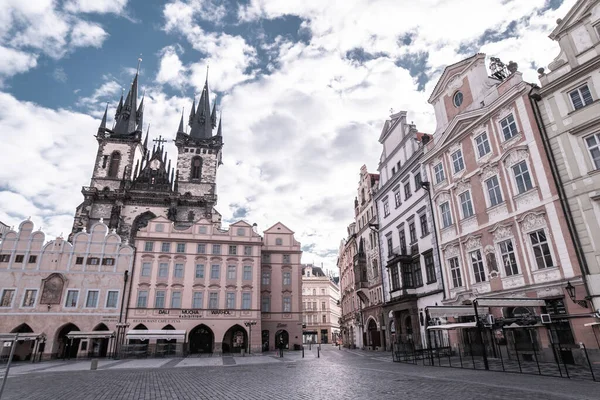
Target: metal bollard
[319,352]
[94,365]
[302,351]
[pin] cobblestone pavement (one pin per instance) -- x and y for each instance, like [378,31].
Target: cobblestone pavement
[336,374]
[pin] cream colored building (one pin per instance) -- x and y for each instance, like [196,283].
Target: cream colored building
[64,299]
[320,306]
[567,104]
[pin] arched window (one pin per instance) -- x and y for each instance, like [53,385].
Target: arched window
[115,160]
[196,168]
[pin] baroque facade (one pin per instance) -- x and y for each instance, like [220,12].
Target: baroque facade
[412,277]
[567,107]
[320,306]
[502,229]
[351,324]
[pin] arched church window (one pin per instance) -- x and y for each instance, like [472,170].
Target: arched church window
[115,160]
[196,167]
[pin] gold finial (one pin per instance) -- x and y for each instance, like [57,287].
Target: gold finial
[139,62]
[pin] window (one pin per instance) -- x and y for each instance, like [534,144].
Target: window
[78,260]
[33,259]
[324,319]
[19,258]
[266,257]
[457,99]
[266,304]
[232,250]
[390,245]
[29,298]
[287,304]
[457,161]
[72,296]
[581,97]
[159,300]
[230,301]
[181,247]
[146,269]
[90,260]
[465,204]
[214,271]
[446,216]
[201,248]
[113,168]
[266,277]
[216,249]
[541,250]
[397,198]
[213,301]
[246,301]
[7,298]
[412,230]
[196,168]
[278,241]
[178,271]
[112,298]
[418,274]
[247,275]
[522,177]
[508,257]
[424,225]
[197,300]
[92,299]
[176,300]
[509,127]
[407,276]
[407,190]
[386,209]
[418,180]
[395,277]
[402,237]
[199,271]
[477,264]
[430,267]
[287,278]
[494,193]
[455,271]
[323,305]
[166,247]
[231,273]
[286,258]
[163,270]
[483,144]
[438,171]
[247,250]
[593,145]
[108,261]
[142,300]
[149,246]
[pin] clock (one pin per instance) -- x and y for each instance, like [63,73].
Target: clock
[155,164]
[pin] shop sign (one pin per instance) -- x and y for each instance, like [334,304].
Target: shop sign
[220,312]
[280,325]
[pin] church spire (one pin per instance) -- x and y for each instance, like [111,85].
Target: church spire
[180,129]
[213,116]
[139,115]
[120,106]
[192,112]
[103,122]
[126,122]
[146,140]
[219,132]
[201,123]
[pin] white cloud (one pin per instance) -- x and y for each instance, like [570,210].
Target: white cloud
[171,69]
[95,6]
[14,61]
[59,75]
[86,34]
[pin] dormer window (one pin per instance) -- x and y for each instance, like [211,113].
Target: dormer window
[196,168]
[457,99]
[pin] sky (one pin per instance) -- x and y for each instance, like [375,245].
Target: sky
[304,88]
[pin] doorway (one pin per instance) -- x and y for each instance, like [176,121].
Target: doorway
[67,348]
[201,340]
[282,336]
[374,337]
[235,339]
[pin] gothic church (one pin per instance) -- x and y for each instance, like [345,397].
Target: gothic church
[133,183]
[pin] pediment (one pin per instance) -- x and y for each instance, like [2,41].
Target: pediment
[574,16]
[241,223]
[279,228]
[459,124]
[451,73]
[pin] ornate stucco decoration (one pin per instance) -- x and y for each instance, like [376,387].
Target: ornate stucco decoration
[533,221]
[501,231]
[454,83]
[442,197]
[462,185]
[472,242]
[515,156]
[488,170]
[503,113]
[454,147]
[559,61]
[451,250]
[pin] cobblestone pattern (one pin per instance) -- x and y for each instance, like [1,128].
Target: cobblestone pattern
[337,374]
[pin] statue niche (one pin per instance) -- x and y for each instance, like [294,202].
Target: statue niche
[52,288]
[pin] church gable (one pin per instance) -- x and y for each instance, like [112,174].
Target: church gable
[575,15]
[279,228]
[452,76]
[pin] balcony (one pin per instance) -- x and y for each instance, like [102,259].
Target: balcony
[400,254]
[361,285]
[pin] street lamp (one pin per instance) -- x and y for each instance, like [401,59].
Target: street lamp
[121,328]
[571,292]
[249,325]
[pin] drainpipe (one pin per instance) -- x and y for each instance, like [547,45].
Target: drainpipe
[534,98]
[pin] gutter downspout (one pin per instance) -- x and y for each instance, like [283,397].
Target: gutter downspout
[560,188]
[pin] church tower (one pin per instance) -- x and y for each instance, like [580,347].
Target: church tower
[132,184]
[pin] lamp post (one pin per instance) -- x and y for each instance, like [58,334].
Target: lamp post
[427,186]
[249,325]
[121,328]
[571,292]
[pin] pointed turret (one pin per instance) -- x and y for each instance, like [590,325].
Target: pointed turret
[139,115]
[119,107]
[219,132]
[201,123]
[126,122]
[146,139]
[103,122]
[180,129]
[213,116]
[192,112]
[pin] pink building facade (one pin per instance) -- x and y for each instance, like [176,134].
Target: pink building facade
[501,228]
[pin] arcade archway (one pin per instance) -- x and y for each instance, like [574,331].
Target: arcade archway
[282,337]
[24,348]
[374,338]
[66,348]
[99,347]
[201,339]
[235,339]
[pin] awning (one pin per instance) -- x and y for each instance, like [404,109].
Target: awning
[463,325]
[455,311]
[9,337]
[514,325]
[91,335]
[166,334]
[592,324]
[508,302]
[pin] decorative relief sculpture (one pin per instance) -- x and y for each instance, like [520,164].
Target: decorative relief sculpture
[472,243]
[52,288]
[501,232]
[512,141]
[454,83]
[451,251]
[503,113]
[515,157]
[442,198]
[527,199]
[463,185]
[533,221]
[488,170]
[490,261]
